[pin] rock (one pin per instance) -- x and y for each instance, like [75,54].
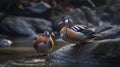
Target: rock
[5,43]
[89,53]
[111,33]
[68,55]
[108,48]
[99,3]
[103,28]
[38,24]
[40,9]
[78,16]
[91,16]
[15,26]
[116,18]
[110,12]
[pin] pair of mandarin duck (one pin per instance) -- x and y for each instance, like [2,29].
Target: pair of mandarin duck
[69,32]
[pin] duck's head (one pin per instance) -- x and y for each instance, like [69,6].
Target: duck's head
[67,20]
[48,32]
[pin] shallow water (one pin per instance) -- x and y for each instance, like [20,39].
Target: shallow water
[21,53]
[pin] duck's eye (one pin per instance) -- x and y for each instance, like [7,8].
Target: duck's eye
[66,21]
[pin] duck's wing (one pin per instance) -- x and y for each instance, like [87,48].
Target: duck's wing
[50,42]
[82,29]
[39,40]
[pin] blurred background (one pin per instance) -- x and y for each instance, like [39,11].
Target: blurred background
[23,20]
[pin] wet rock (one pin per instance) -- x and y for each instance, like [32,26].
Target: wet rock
[40,9]
[38,24]
[5,43]
[107,48]
[96,52]
[15,26]
[68,55]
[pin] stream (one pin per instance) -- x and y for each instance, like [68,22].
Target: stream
[21,53]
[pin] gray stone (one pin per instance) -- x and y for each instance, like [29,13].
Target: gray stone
[68,55]
[110,13]
[38,24]
[107,48]
[90,16]
[15,26]
[89,53]
[112,33]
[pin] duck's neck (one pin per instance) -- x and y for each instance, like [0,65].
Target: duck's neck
[69,25]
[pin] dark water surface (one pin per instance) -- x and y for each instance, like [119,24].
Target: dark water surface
[22,54]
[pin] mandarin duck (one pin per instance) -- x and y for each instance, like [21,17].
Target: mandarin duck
[75,33]
[44,43]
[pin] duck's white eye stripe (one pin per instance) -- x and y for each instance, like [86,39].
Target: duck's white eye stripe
[66,20]
[47,33]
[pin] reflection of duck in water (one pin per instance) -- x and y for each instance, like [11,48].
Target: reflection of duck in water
[44,43]
[75,33]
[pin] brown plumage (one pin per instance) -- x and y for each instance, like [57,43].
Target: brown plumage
[43,43]
[75,33]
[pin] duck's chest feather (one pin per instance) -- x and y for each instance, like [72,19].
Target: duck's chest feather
[40,39]
[69,34]
[44,39]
